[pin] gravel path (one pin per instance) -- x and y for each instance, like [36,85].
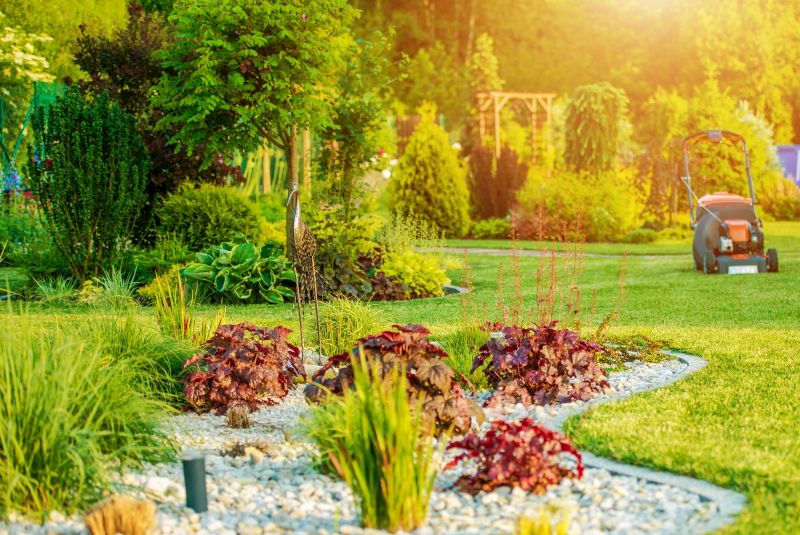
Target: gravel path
[269,485]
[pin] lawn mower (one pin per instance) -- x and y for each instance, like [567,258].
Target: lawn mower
[728,236]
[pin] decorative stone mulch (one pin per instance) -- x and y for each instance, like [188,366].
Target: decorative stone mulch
[261,480]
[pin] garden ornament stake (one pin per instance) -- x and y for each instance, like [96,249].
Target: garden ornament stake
[301,247]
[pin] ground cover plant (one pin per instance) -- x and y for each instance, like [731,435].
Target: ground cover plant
[245,365]
[443,403]
[371,439]
[241,271]
[516,454]
[540,365]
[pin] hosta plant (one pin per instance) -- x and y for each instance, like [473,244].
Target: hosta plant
[430,379]
[240,271]
[539,365]
[245,366]
[516,454]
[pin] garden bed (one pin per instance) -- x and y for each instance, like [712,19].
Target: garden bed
[270,485]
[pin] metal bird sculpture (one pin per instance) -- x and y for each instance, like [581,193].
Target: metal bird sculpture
[301,247]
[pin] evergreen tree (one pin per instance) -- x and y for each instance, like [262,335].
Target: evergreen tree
[430,182]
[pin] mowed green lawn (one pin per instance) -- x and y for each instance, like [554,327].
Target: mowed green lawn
[779,234]
[735,423]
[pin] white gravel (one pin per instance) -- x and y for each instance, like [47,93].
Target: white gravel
[278,491]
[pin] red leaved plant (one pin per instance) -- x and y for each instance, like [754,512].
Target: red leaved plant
[407,347]
[244,366]
[515,454]
[540,365]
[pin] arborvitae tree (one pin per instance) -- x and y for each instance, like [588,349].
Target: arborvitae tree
[88,172]
[430,182]
[594,115]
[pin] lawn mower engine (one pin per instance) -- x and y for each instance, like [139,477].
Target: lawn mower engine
[728,236]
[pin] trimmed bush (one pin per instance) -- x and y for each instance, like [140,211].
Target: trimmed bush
[430,182]
[208,215]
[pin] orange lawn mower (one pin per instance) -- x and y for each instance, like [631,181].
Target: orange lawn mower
[728,236]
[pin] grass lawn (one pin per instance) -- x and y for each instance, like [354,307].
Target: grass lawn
[735,423]
[784,236]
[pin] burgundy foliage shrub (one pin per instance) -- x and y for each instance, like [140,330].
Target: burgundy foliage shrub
[245,366]
[515,454]
[540,365]
[408,347]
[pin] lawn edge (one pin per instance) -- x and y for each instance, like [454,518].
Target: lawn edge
[729,502]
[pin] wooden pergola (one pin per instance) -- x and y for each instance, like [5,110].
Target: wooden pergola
[494,101]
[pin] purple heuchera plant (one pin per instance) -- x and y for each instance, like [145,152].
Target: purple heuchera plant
[539,365]
[245,365]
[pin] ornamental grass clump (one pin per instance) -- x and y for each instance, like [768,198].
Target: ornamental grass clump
[539,365]
[370,438]
[245,365]
[431,385]
[343,321]
[516,454]
[69,416]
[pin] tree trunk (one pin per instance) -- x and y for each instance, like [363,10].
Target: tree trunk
[307,160]
[291,156]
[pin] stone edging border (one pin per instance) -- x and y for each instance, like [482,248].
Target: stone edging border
[729,502]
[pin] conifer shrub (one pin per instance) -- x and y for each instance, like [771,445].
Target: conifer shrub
[207,215]
[431,182]
[88,172]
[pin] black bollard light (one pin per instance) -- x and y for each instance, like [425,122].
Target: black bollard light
[194,477]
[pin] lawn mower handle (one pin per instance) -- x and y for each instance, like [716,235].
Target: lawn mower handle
[714,136]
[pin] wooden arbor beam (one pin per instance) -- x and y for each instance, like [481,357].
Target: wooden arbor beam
[497,101]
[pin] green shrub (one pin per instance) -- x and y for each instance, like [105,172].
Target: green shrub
[402,234]
[165,253]
[421,273]
[463,345]
[343,322]
[641,235]
[241,272]
[89,173]
[370,437]
[602,207]
[272,206]
[430,182]
[341,241]
[491,229]
[150,291]
[68,417]
[207,215]
[28,243]
[593,127]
